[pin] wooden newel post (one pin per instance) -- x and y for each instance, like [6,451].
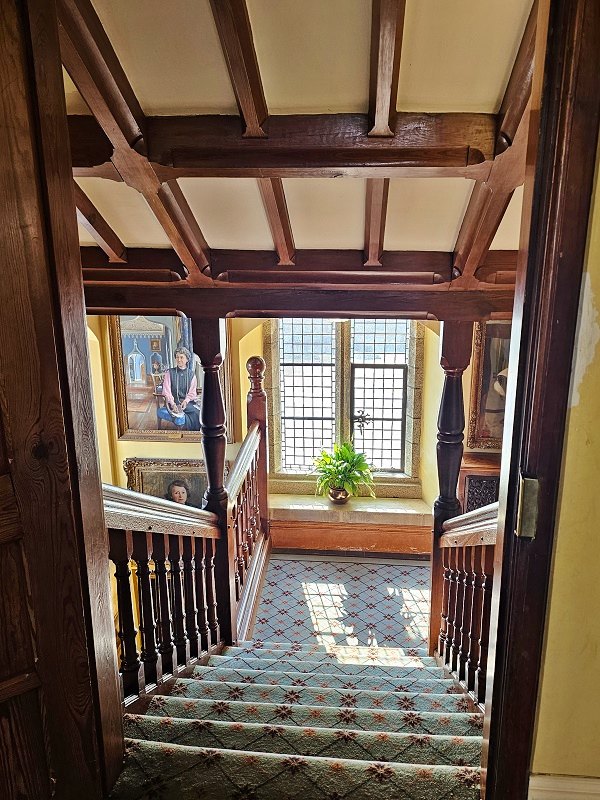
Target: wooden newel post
[456,345]
[257,412]
[206,336]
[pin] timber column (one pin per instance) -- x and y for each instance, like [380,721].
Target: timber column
[456,345]
[209,346]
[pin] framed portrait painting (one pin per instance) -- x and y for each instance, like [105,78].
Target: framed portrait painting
[158,378]
[488,384]
[179,480]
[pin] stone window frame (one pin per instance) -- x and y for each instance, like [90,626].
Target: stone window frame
[387,484]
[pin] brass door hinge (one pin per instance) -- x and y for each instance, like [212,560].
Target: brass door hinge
[527,515]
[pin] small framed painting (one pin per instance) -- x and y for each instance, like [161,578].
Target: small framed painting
[180,480]
[158,378]
[488,384]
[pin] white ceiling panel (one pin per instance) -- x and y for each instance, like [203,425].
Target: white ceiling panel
[85,238]
[171,54]
[458,55]
[425,214]
[75,102]
[313,55]
[126,212]
[326,212]
[507,235]
[229,211]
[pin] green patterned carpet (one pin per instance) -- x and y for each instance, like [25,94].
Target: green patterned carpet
[301,722]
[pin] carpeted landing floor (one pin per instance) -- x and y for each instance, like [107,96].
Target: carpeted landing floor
[333,716]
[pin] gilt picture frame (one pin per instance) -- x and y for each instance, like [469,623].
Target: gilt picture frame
[491,344]
[142,349]
[154,475]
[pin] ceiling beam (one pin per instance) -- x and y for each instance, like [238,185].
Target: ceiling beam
[93,66]
[273,197]
[386,43]
[233,26]
[268,300]
[92,220]
[487,206]
[375,216]
[518,89]
[304,145]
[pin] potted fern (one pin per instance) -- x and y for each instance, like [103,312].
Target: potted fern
[341,474]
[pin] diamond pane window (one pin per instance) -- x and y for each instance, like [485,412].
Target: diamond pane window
[307,390]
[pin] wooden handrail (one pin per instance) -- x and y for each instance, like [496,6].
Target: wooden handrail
[243,462]
[476,528]
[127,510]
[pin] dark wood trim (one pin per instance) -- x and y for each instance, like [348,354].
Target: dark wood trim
[273,197]
[387,26]
[92,220]
[235,32]
[375,217]
[544,324]
[309,145]
[249,276]
[272,300]
[94,68]
[405,540]
[518,89]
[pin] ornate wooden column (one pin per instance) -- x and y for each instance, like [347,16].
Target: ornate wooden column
[456,345]
[257,412]
[206,334]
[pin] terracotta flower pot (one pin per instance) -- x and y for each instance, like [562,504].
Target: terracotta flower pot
[338,496]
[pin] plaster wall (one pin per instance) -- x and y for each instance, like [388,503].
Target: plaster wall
[566,741]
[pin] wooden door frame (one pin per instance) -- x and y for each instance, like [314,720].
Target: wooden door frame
[562,157]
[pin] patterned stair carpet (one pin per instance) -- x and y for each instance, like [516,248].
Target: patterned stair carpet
[330,716]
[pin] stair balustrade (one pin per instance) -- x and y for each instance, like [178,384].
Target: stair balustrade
[163,557]
[467,547]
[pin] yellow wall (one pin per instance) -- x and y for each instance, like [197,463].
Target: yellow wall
[102,432]
[569,704]
[250,345]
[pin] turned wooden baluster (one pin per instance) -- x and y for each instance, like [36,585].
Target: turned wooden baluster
[179,636]
[459,607]
[207,344]
[163,604]
[456,343]
[476,613]
[445,601]
[142,555]
[201,593]
[121,547]
[488,566]
[465,625]
[245,523]
[214,619]
[452,593]
[189,595]
[257,412]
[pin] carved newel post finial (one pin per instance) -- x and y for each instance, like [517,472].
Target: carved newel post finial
[257,412]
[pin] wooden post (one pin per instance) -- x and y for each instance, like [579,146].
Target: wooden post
[257,412]
[456,345]
[206,335]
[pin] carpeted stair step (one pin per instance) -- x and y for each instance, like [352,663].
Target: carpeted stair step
[432,723]
[309,695]
[188,773]
[427,670]
[307,741]
[325,680]
[317,652]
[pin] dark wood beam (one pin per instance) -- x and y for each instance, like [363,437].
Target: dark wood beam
[305,145]
[272,300]
[136,275]
[375,216]
[518,89]
[386,43]
[92,64]
[487,207]
[313,277]
[233,26]
[92,220]
[273,196]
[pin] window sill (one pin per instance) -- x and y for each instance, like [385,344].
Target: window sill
[357,511]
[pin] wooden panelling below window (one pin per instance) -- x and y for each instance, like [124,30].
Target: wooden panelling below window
[407,540]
